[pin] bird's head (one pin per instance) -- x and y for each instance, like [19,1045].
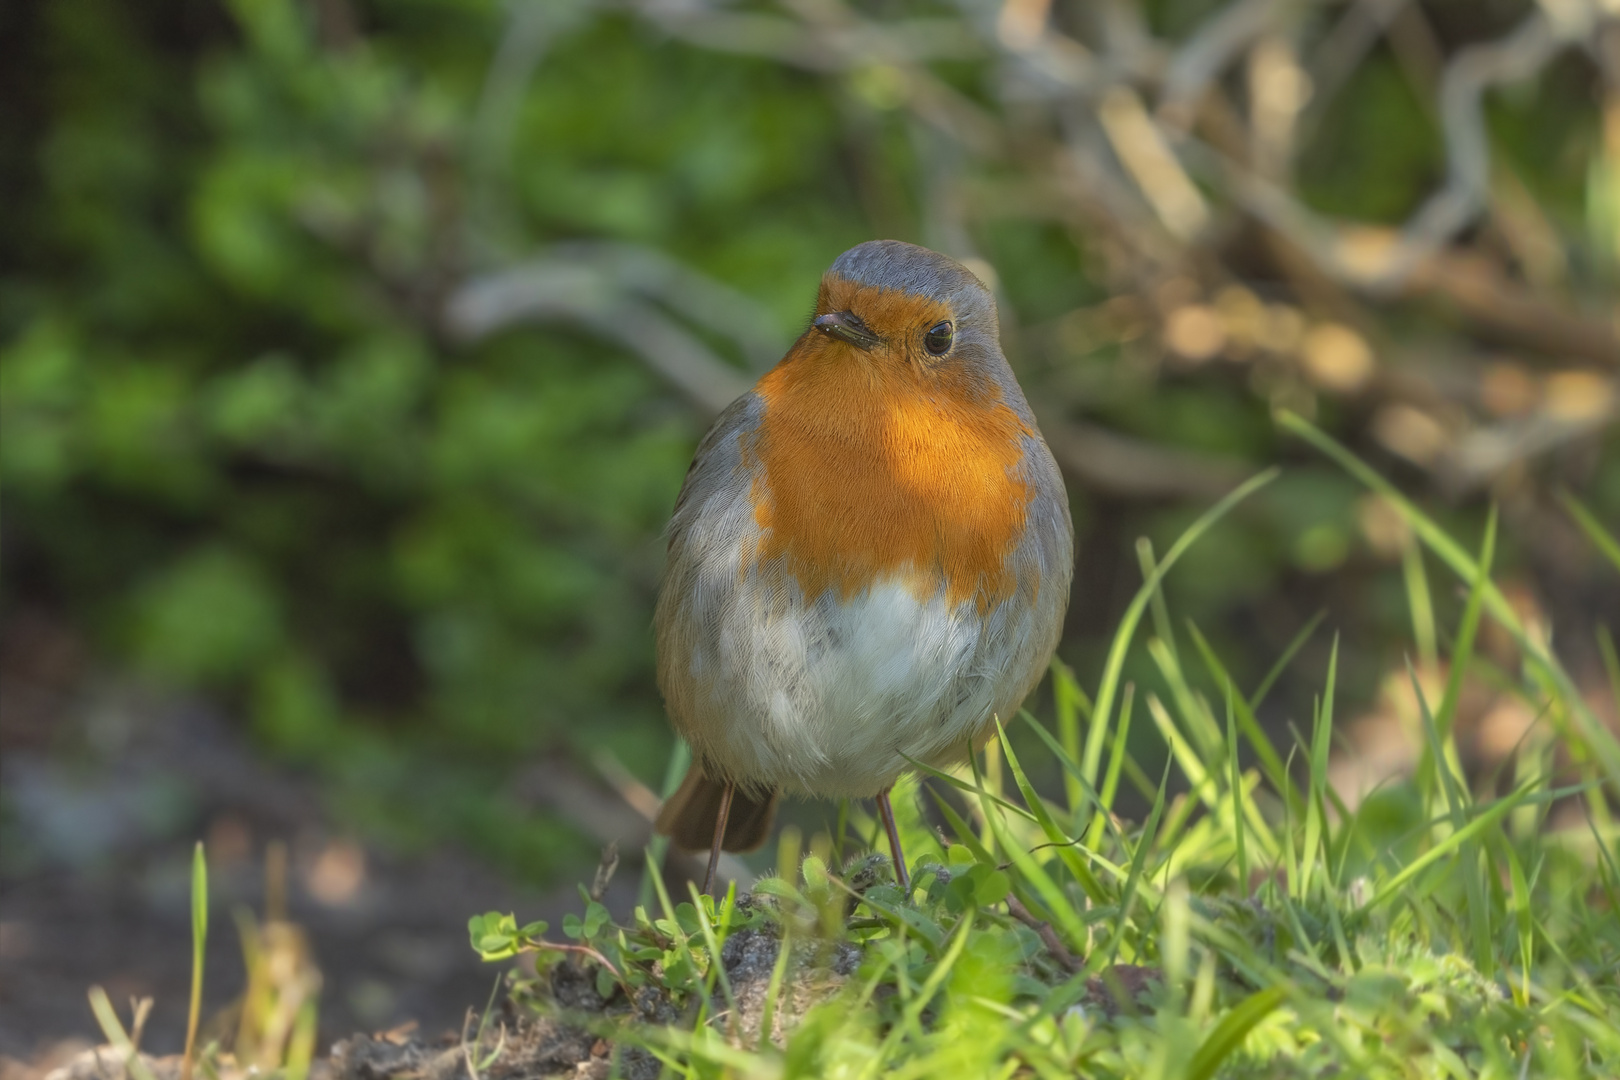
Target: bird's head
[899,311]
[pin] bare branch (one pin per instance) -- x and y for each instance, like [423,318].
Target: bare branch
[1209,51]
[1474,70]
[1118,464]
[608,289]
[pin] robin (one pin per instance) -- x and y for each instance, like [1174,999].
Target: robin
[869,560]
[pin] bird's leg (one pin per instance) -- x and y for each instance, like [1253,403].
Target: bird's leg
[886,812]
[719,835]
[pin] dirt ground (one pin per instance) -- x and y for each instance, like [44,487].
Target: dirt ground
[105,789]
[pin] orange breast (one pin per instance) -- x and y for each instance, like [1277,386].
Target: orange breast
[867,471]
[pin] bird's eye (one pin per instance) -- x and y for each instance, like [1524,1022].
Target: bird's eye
[938,339]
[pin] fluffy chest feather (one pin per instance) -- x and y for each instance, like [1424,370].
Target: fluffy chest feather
[832,696]
[862,478]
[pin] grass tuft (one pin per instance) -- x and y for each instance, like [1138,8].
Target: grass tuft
[1254,922]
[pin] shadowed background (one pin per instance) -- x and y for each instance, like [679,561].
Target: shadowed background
[353,353]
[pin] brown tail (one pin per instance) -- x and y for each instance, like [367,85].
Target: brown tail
[689,815]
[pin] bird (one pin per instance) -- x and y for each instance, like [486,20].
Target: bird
[869,561]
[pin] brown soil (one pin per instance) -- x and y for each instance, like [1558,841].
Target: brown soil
[569,1035]
[565,1038]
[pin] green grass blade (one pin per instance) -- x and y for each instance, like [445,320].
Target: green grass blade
[1604,746]
[1523,919]
[1289,861]
[1611,669]
[1445,779]
[1236,781]
[1601,538]
[912,1014]
[1232,1030]
[1114,665]
[1073,770]
[1608,866]
[972,789]
[1420,602]
[1439,750]
[1462,653]
[111,1027]
[657,877]
[1063,843]
[1287,657]
[301,1043]
[964,832]
[1199,777]
[199,944]
[1457,801]
[668,909]
[1349,820]
[1116,762]
[680,759]
[1133,878]
[1050,893]
[1196,720]
[1306,949]
[1481,822]
[1162,625]
[1316,804]
[1271,762]
[712,941]
[1069,704]
[1611,662]
[1182,752]
[1067,763]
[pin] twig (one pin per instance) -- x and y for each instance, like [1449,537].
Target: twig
[1206,54]
[639,796]
[1108,461]
[1118,172]
[584,950]
[134,1065]
[1145,153]
[832,39]
[603,815]
[1489,298]
[1060,952]
[593,293]
[604,870]
[1462,87]
[1341,51]
[530,31]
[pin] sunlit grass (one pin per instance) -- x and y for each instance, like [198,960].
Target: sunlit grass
[275,1018]
[1269,927]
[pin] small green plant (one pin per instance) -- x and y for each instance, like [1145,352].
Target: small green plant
[128,1043]
[275,1026]
[277,1016]
[670,950]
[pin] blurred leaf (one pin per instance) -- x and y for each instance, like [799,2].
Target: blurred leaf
[207,618]
[40,385]
[294,709]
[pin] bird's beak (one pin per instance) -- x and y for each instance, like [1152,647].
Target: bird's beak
[843,324]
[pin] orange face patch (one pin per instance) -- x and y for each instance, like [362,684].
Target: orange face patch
[885,462]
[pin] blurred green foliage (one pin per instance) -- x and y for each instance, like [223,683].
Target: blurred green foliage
[237,444]
[241,450]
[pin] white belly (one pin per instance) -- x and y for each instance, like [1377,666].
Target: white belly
[830,697]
